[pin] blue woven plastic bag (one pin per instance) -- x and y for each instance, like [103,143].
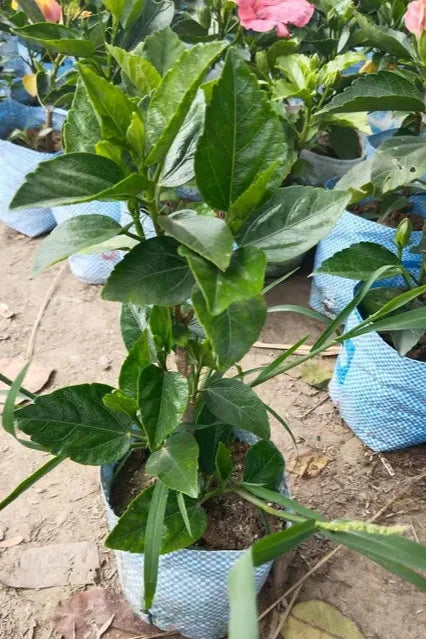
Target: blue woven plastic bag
[94,268]
[192,588]
[379,394]
[329,293]
[16,161]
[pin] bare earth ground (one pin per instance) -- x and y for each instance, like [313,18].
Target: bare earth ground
[79,338]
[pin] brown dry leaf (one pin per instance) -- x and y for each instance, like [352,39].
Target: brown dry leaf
[13,541]
[316,375]
[319,620]
[37,375]
[310,464]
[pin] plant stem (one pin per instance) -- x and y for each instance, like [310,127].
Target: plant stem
[114,32]
[23,390]
[281,514]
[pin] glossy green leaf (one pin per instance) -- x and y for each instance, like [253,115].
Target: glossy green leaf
[57,37]
[242,599]
[277,498]
[223,461]
[72,236]
[414,319]
[73,178]
[242,138]
[234,403]
[398,161]
[32,10]
[172,100]
[178,167]
[131,11]
[30,481]
[140,72]
[135,136]
[358,261]
[133,321]
[234,331]
[154,526]
[293,220]
[242,280]
[275,545]
[381,37]
[162,398]
[8,412]
[384,90]
[115,7]
[112,106]
[151,273]
[73,422]
[162,49]
[183,511]
[160,323]
[208,236]
[118,401]
[141,354]
[156,15]
[176,464]
[264,464]
[209,438]
[81,129]
[130,532]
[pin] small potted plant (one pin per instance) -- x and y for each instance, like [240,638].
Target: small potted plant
[385,189]
[184,413]
[379,376]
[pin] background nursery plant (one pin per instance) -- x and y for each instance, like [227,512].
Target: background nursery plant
[194,289]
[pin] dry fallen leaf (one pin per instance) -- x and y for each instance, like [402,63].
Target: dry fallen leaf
[319,620]
[310,464]
[316,375]
[13,541]
[37,375]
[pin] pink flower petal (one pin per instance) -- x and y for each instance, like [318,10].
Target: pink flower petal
[415,18]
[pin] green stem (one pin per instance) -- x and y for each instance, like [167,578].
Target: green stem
[281,514]
[23,390]
[114,32]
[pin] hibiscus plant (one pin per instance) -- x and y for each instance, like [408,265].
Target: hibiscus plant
[192,300]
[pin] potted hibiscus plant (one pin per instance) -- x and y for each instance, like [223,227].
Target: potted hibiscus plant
[184,413]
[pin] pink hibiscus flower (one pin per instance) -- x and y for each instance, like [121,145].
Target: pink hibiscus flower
[265,15]
[415,18]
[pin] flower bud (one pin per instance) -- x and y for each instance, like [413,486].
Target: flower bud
[403,233]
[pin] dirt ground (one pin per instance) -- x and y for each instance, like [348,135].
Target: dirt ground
[79,338]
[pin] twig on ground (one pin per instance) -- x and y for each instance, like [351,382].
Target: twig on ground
[160,635]
[44,305]
[331,554]
[286,613]
[102,630]
[311,410]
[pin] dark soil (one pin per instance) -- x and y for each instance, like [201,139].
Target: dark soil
[394,218]
[419,350]
[50,143]
[233,523]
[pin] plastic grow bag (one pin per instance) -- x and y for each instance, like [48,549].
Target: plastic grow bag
[16,161]
[323,168]
[192,588]
[379,394]
[330,293]
[94,268]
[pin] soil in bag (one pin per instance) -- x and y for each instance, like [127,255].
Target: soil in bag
[370,209]
[233,523]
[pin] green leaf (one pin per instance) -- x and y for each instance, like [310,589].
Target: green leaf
[141,354]
[135,136]
[8,413]
[384,90]
[72,236]
[112,106]
[234,331]
[398,161]
[131,11]
[293,220]
[223,461]
[73,422]
[30,481]
[273,546]
[242,280]
[316,375]
[130,532]
[264,464]
[358,261]
[397,554]
[281,500]
[313,619]
[140,72]
[118,401]
[74,178]
[242,138]
[415,319]
[357,180]
[208,439]
[176,464]
[172,99]
[160,323]
[133,321]
[57,37]
[184,512]
[242,599]
[234,403]
[156,15]
[154,526]
[32,10]
[81,129]
[115,7]
[162,49]
[151,273]
[178,167]
[381,37]
[163,398]
[208,236]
